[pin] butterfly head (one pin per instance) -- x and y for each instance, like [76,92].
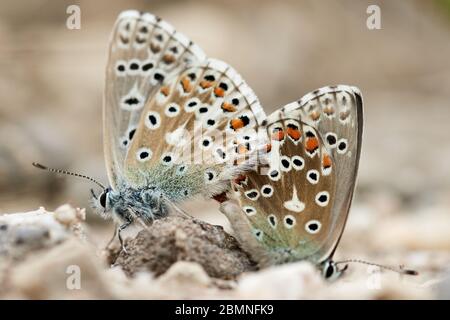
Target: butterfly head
[331,271]
[127,203]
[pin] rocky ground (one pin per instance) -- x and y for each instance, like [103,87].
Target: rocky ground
[51,255]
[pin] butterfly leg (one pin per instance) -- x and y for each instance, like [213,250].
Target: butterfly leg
[93,194]
[119,232]
[113,237]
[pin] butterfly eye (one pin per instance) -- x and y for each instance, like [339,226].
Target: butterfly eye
[103,198]
[329,269]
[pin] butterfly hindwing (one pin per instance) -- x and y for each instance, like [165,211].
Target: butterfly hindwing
[337,113]
[298,208]
[144,51]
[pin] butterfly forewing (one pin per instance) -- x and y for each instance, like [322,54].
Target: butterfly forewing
[196,132]
[144,51]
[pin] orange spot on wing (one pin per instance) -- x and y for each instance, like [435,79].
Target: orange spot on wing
[312,144]
[294,133]
[315,115]
[205,84]
[268,147]
[326,161]
[237,124]
[219,92]
[165,90]
[186,84]
[228,107]
[168,58]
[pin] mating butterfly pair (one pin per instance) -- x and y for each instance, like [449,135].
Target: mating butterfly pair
[177,124]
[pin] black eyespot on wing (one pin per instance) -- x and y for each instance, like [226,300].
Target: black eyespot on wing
[203,110]
[192,76]
[134,66]
[272,220]
[342,146]
[224,86]
[205,143]
[285,163]
[167,159]
[310,134]
[274,173]
[147,66]
[158,77]
[143,154]
[131,134]
[235,101]
[267,190]
[210,78]
[211,122]
[297,162]
[132,101]
[121,68]
[245,120]
[289,221]
[152,119]
[313,176]
[252,194]
[331,140]
[192,104]
[322,198]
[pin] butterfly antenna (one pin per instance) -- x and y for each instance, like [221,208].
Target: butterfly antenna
[40,166]
[397,270]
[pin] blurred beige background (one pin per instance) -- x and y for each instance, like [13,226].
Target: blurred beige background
[51,81]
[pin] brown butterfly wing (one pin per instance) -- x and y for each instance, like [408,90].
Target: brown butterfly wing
[198,121]
[308,198]
[288,207]
[337,113]
[144,51]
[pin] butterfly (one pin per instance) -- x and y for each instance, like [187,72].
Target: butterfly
[297,210]
[176,124]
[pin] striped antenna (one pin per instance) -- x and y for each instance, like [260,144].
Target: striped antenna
[40,166]
[398,270]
